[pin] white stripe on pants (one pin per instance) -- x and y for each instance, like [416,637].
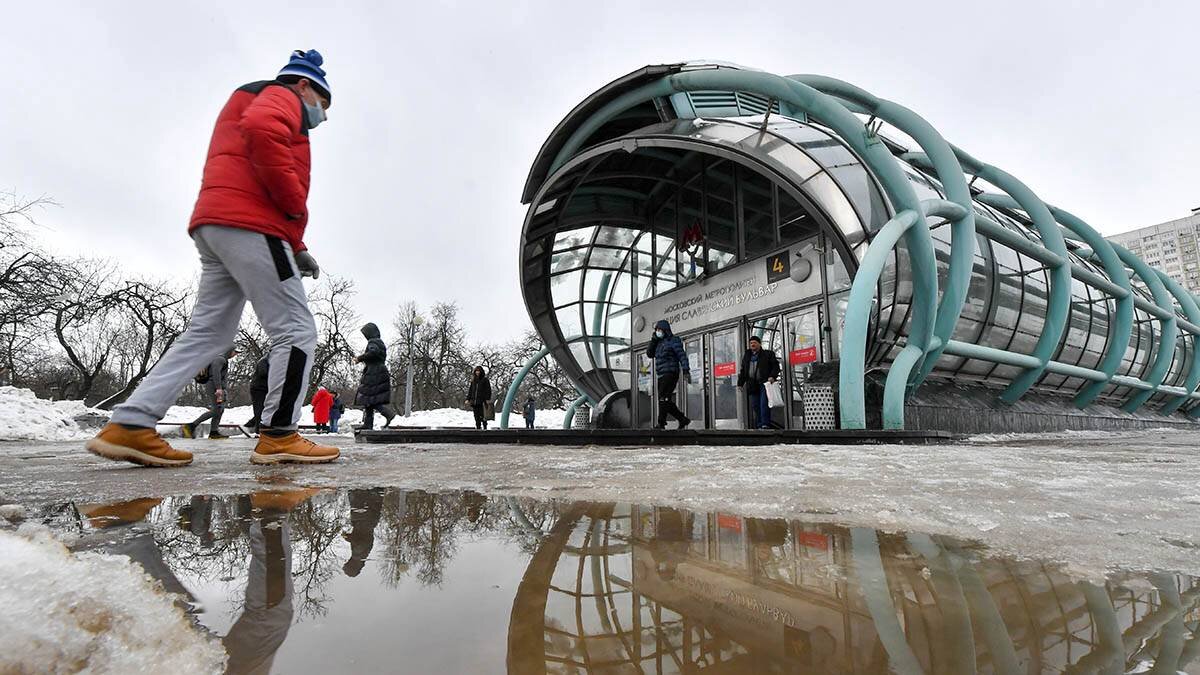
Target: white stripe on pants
[236,265]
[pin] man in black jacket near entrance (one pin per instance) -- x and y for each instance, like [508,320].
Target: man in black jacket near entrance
[759,366]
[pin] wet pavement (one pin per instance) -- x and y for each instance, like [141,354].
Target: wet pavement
[1047,554]
[1096,503]
[384,579]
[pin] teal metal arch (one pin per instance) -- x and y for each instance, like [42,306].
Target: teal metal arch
[944,163]
[515,386]
[1058,305]
[1192,311]
[1168,320]
[1122,323]
[569,418]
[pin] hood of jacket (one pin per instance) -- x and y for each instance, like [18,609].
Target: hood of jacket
[665,327]
[370,331]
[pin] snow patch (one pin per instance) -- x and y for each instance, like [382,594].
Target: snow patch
[90,612]
[25,417]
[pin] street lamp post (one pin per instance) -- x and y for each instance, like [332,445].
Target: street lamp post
[412,333]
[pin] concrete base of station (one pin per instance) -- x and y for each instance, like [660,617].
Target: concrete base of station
[648,437]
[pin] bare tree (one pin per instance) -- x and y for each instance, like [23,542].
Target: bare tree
[23,270]
[331,304]
[155,315]
[82,313]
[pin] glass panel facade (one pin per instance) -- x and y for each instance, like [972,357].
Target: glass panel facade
[759,233]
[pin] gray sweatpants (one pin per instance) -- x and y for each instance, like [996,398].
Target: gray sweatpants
[236,265]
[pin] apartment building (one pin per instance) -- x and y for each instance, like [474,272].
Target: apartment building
[1169,246]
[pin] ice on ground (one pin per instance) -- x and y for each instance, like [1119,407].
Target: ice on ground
[25,417]
[90,612]
[13,513]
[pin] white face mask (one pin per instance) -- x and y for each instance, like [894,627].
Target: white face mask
[315,114]
[658,333]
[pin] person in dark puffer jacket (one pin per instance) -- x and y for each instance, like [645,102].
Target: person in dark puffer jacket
[375,387]
[670,360]
[479,393]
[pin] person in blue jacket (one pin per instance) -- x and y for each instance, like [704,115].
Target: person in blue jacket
[530,412]
[670,360]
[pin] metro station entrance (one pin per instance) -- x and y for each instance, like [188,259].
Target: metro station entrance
[712,399]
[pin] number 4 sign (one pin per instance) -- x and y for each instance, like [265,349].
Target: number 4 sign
[779,267]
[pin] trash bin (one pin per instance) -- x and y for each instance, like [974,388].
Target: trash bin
[583,417]
[820,407]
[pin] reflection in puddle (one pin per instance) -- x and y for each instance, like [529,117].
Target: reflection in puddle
[404,581]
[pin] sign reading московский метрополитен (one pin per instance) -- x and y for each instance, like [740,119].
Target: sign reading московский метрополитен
[745,289]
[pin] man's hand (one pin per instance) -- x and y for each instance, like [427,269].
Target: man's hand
[221,396]
[308,265]
[687,376]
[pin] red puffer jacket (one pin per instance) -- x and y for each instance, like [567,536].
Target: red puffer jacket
[258,164]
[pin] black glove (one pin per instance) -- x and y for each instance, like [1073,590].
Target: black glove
[308,265]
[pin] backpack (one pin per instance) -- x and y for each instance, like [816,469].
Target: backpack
[203,376]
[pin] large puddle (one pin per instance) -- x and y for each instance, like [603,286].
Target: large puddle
[389,580]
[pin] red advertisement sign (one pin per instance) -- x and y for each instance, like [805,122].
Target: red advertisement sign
[725,369]
[729,522]
[801,356]
[813,540]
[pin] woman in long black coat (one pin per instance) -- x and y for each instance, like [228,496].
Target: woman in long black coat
[479,395]
[375,388]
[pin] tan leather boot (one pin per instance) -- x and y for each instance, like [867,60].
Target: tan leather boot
[291,448]
[139,446]
[122,513]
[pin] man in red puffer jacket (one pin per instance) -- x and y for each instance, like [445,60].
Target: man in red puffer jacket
[248,226]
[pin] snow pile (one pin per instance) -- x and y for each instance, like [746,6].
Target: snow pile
[454,417]
[25,417]
[65,612]
[439,418]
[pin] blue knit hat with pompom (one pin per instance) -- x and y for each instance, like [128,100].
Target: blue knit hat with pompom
[307,64]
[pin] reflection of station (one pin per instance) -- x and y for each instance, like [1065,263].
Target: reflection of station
[620,589]
[903,279]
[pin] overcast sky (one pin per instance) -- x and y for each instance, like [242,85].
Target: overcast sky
[439,107]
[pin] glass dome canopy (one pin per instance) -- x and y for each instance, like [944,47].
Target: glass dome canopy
[604,231]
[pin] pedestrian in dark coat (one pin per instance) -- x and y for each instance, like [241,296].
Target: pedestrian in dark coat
[670,360]
[375,388]
[530,412]
[215,380]
[335,412]
[759,366]
[479,396]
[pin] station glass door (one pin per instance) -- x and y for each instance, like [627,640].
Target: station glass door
[803,350]
[723,390]
[692,393]
[645,405]
[770,330]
